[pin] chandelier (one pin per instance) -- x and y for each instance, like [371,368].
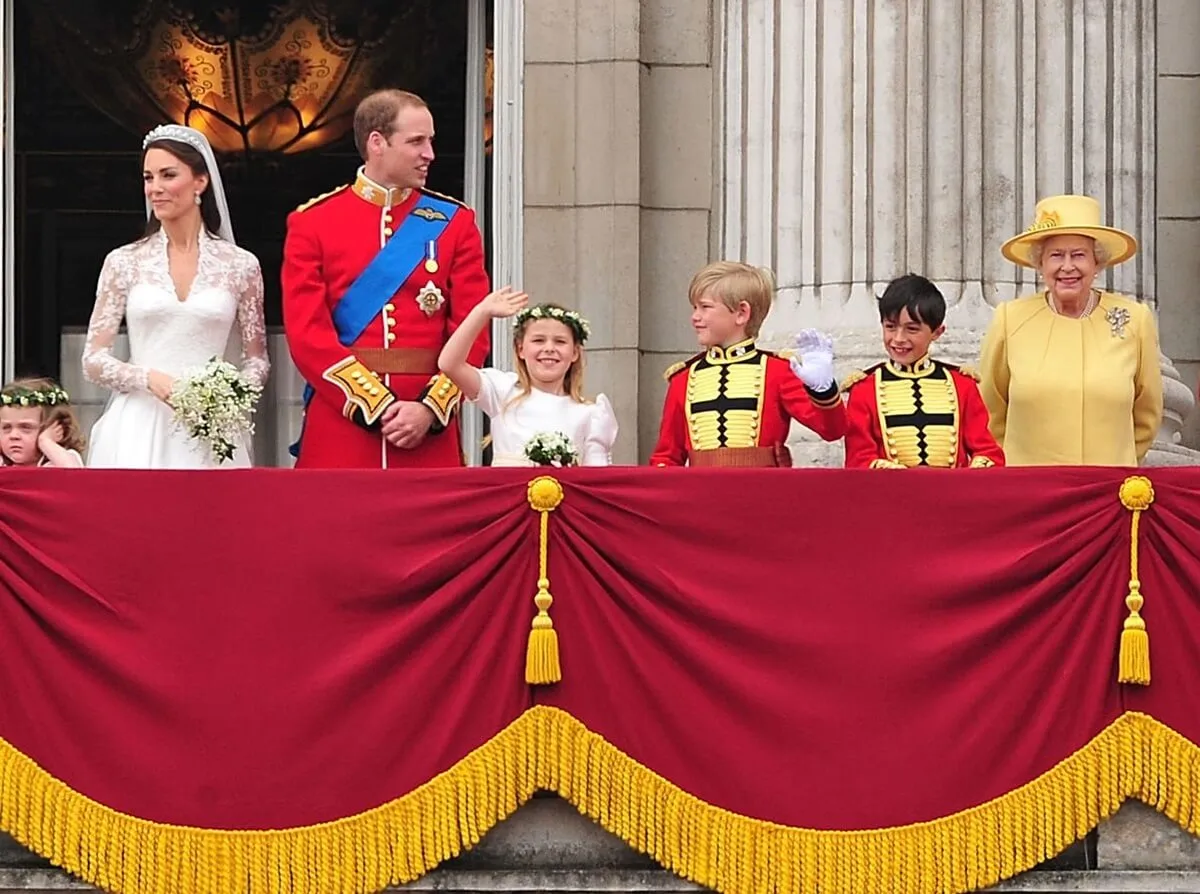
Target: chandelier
[255,79]
[289,86]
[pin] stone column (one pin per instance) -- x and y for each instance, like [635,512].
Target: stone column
[581,184]
[916,135]
[677,149]
[1178,191]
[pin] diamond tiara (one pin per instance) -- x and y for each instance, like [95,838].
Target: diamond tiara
[180,134]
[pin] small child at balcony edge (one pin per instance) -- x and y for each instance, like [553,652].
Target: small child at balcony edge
[37,426]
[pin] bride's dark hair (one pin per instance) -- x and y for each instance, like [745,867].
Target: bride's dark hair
[195,161]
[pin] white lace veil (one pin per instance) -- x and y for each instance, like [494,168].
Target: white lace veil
[199,142]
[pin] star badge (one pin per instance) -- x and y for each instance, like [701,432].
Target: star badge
[430,298]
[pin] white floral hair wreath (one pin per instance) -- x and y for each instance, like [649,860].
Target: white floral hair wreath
[34,397]
[570,318]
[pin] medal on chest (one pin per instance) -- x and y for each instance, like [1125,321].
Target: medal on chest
[430,298]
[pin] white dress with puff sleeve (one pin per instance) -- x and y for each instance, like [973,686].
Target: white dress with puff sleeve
[592,427]
[174,335]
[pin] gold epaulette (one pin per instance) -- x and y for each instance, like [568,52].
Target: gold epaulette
[676,368]
[968,371]
[670,371]
[321,198]
[853,379]
[442,195]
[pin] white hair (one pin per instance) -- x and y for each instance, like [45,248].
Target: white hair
[1035,253]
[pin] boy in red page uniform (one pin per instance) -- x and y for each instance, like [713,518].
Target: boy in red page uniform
[733,403]
[912,410]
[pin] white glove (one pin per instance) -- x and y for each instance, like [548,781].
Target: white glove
[813,360]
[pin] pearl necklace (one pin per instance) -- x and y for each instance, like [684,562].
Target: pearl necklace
[1093,300]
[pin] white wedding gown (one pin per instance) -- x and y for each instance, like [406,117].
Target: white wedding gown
[174,336]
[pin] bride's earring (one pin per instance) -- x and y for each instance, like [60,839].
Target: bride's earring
[197,198]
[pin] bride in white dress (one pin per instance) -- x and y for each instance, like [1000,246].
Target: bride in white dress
[186,292]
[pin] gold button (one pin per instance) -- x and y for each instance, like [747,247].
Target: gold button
[389,307]
[445,389]
[356,376]
[387,231]
[375,392]
[391,337]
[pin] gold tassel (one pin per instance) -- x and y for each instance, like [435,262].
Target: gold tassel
[541,655]
[1133,665]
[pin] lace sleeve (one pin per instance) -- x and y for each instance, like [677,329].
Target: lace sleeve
[253,328]
[100,366]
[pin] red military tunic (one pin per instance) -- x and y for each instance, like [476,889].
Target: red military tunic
[734,406]
[330,241]
[929,414]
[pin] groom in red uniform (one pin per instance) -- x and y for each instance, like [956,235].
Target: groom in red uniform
[376,275]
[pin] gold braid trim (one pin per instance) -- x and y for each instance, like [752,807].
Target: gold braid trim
[442,396]
[546,748]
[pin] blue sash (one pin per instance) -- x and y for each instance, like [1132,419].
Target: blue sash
[391,268]
[383,277]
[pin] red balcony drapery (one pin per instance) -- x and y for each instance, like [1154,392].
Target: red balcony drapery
[282,681]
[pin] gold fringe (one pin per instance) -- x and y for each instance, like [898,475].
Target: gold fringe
[393,844]
[1136,756]
[542,665]
[1133,661]
[546,748]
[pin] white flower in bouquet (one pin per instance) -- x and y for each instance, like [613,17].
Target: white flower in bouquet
[215,406]
[551,449]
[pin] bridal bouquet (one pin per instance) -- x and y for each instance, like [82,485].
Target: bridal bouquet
[215,406]
[551,449]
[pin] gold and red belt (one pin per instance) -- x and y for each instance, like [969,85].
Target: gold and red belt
[399,361]
[741,457]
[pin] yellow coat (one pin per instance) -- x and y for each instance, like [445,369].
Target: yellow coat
[1065,391]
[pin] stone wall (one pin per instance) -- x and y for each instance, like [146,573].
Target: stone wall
[1178,191]
[618,184]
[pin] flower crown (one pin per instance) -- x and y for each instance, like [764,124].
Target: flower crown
[179,134]
[34,397]
[570,318]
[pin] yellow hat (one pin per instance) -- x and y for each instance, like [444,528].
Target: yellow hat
[1069,216]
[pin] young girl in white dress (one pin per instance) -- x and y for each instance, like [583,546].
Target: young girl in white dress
[186,292]
[545,394]
[38,427]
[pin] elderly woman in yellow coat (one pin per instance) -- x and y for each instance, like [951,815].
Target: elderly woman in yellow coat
[1071,375]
